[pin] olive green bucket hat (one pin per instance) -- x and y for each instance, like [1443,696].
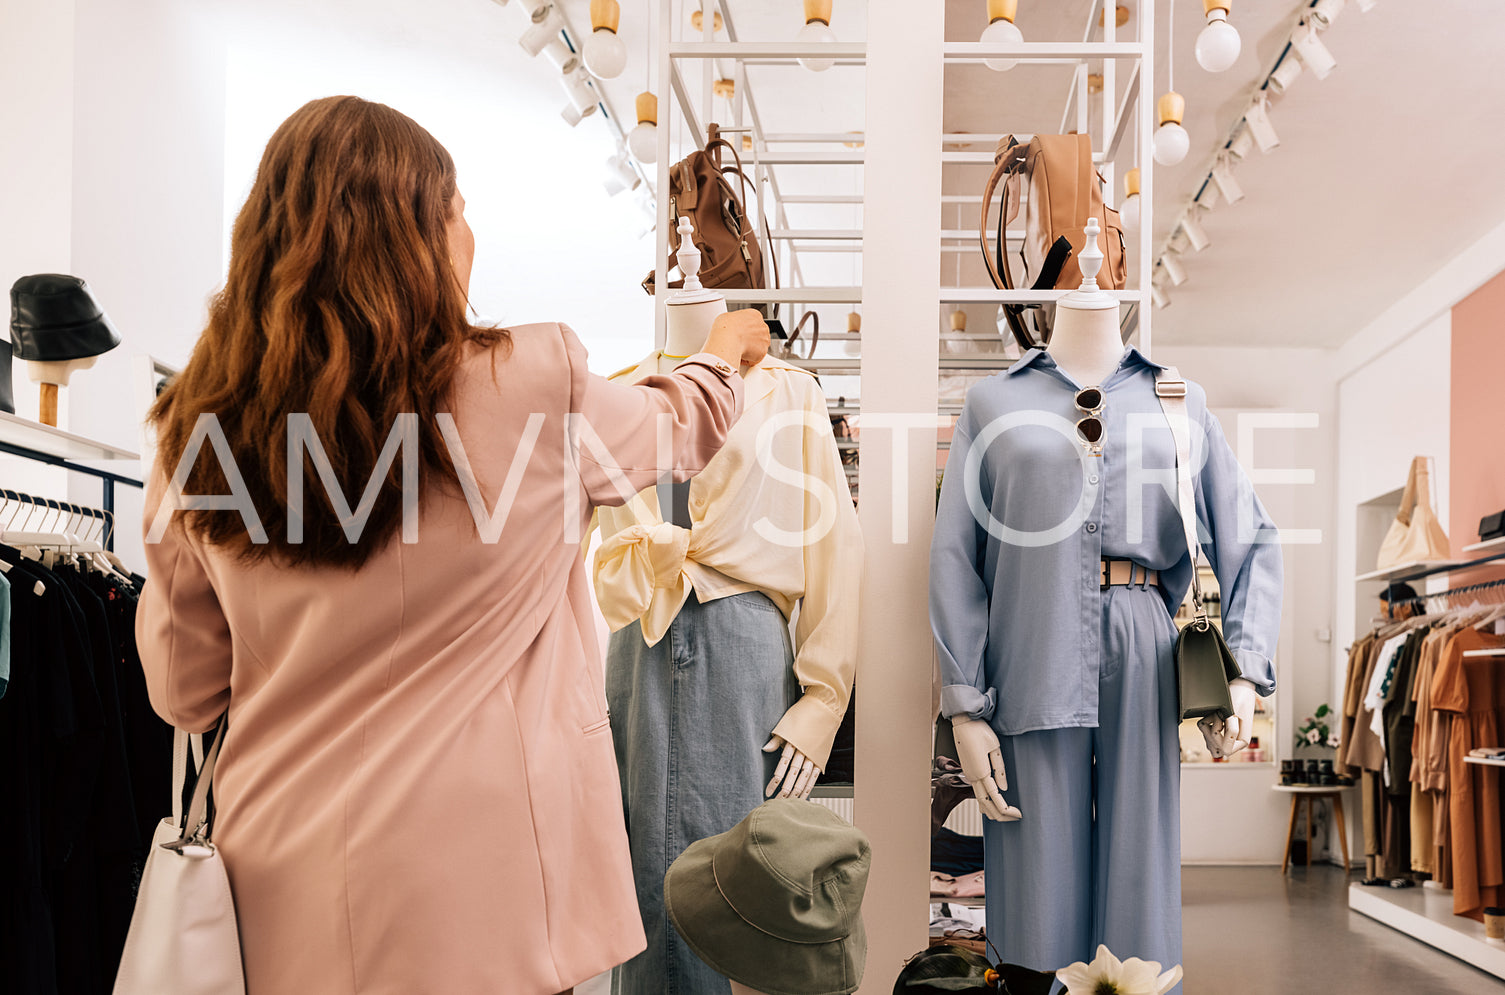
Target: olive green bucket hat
[776,901]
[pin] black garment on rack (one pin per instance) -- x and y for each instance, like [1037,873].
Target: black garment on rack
[70,834]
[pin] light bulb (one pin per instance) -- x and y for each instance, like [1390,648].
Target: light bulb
[1218,45]
[1001,32]
[1128,210]
[642,141]
[1171,143]
[817,33]
[605,55]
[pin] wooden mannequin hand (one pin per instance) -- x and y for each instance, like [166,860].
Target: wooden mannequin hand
[1226,736]
[797,772]
[982,765]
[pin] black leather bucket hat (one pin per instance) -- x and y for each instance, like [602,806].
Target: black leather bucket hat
[54,317]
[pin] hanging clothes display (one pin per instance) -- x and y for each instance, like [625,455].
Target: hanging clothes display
[1415,705]
[88,772]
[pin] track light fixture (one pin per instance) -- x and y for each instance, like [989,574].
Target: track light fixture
[1313,53]
[1325,12]
[1001,30]
[620,176]
[1257,124]
[547,23]
[1196,235]
[559,54]
[1171,263]
[1365,6]
[1284,75]
[1159,296]
[1218,45]
[583,99]
[817,30]
[1222,178]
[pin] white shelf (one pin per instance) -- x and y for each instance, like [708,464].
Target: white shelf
[24,432]
[1041,51]
[1485,761]
[1426,914]
[795,295]
[1403,570]
[1487,546]
[989,295]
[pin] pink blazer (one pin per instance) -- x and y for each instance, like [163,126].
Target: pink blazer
[418,792]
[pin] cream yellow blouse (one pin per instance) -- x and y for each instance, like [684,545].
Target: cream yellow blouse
[771,512]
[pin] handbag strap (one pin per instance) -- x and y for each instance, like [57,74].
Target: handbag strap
[194,824]
[1170,388]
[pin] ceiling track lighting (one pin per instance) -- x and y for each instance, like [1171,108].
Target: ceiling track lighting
[1365,6]
[1130,206]
[1159,296]
[1001,30]
[643,140]
[1325,12]
[1223,181]
[1242,143]
[1196,235]
[558,53]
[1257,124]
[1218,45]
[1284,75]
[1171,141]
[1171,263]
[1313,53]
[583,99]
[817,31]
[605,55]
[620,176]
[547,23]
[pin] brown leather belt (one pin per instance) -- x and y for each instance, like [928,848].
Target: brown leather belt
[1127,573]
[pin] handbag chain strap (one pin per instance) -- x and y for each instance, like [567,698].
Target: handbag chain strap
[1170,388]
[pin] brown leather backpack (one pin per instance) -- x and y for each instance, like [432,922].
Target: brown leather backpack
[1064,192]
[701,188]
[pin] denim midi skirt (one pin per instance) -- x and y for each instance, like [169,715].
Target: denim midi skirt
[689,717]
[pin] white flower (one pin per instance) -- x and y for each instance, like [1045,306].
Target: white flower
[1107,975]
[1314,737]
[1334,741]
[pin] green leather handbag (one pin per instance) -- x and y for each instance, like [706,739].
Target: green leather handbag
[1204,664]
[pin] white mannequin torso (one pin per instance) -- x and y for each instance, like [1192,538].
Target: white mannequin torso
[1087,345]
[687,328]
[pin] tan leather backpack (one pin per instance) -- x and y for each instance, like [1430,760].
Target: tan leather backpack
[1063,192]
[701,189]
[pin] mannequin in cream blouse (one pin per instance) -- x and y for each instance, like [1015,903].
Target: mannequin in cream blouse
[1087,345]
[717,700]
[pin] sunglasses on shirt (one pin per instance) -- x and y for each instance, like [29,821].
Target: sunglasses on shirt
[1089,401]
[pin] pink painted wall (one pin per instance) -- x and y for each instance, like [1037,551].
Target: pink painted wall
[1477,463]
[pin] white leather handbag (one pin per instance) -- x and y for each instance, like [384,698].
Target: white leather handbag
[183,938]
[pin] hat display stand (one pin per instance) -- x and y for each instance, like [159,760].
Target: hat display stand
[52,374]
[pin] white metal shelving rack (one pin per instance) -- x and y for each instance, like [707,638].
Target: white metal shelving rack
[902,243]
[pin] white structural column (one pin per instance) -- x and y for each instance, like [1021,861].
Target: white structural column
[901,280]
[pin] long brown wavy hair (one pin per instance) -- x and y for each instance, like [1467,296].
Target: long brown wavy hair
[342,303]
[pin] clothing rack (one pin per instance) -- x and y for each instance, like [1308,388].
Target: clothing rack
[105,519]
[46,444]
[1421,600]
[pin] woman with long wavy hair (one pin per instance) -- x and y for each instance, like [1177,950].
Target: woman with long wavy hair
[417,790]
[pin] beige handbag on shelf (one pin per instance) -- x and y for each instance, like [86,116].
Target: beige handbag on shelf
[1415,536]
[183,938]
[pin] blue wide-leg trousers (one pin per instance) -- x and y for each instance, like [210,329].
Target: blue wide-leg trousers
[1097,856]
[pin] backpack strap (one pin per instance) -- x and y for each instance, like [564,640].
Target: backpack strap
[1170,388]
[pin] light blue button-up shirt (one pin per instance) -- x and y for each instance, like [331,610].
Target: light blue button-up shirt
[1015,601]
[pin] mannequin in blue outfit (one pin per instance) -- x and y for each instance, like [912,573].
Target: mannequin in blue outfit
[1061,690]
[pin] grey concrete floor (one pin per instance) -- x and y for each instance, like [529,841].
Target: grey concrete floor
[1255,931]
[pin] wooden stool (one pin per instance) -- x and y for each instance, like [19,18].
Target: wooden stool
[1313,793]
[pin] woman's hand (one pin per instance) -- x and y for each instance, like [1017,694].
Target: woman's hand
[739,337]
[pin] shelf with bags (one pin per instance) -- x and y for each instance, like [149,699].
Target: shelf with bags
[1487,546]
